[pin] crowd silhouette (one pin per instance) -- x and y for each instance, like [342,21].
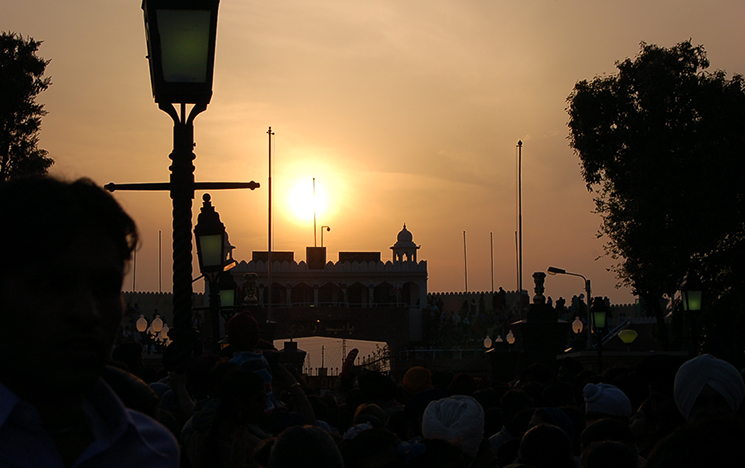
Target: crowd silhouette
[69,397]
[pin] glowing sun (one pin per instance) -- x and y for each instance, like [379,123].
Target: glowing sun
[302,201]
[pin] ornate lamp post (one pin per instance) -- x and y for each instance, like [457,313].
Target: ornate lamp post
[691,295]
[599,315]
[210,235]
[181,37]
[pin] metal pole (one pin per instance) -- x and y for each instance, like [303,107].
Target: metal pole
[160,261]
[214,314]
[590,324]
[269,236]
[315,243]
[465,261]
[182,194]
[520,221]
[491,240]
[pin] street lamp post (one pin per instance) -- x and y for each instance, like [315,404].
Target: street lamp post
[561,271]
[327,229]
[599,316]
[181,38]
[210,235]
[690,298]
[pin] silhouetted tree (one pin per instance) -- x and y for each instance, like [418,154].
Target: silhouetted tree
[21,81]
[662,144]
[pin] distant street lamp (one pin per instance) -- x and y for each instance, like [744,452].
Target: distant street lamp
[157,324]
[690,292]
[599,312]
[210,235]
[510,338]
[141,324]
[691,295]
[327,229]
[561,271]
[228,288]
[577,326]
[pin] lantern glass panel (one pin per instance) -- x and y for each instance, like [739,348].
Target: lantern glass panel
[692,301]
[599,318]
[184,42]
[211,250]
[227,297]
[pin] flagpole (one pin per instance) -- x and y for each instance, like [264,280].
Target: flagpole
[269,236]
[520,222]
[465,261]
[315,243]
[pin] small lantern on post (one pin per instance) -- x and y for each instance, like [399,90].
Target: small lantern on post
[487,342]
[228,290]
[157,324]
[141,324]
[510,338]
[691,296]
[577,326]
[599,312]
[227,286]
[691,292]
[210,236]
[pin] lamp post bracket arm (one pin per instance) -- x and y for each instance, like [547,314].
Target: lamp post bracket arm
[111,187]
[226,185]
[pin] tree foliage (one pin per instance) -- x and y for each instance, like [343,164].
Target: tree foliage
[662,145]
[21,81]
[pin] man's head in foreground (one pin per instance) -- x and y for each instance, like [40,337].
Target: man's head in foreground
[64,247]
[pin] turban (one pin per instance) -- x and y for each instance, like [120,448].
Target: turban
[606,399]
[705,370]
[458,419]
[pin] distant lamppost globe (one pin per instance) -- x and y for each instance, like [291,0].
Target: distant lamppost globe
[157,324]
[510,338]
[141,324]
[577,326]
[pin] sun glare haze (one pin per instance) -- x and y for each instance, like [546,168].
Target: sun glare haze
[305,201]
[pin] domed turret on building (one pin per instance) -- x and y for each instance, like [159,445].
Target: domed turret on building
[404,249]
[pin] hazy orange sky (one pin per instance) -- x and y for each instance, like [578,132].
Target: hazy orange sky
[403,111]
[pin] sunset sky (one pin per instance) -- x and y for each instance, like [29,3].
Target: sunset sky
[403,111]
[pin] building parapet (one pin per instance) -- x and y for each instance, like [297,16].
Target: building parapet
[336,267]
